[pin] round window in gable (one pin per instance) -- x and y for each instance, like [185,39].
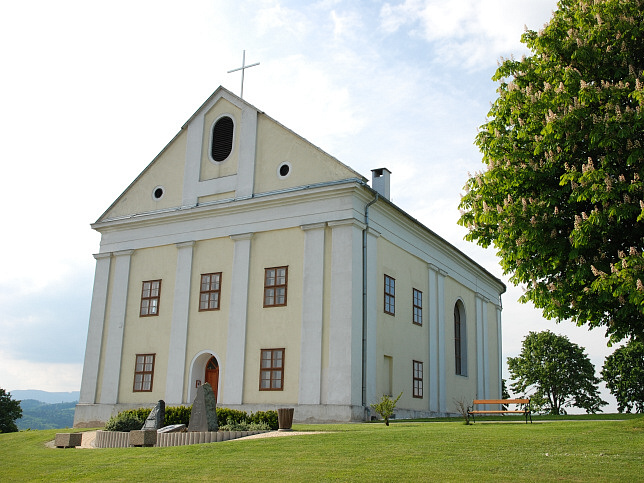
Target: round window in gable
[283,170]
[222,139]
[157,193]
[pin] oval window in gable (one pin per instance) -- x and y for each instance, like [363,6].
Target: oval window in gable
[222,139]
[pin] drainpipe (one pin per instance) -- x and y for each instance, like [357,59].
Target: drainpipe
[364,300]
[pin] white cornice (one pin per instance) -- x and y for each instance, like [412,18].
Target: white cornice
[229,206]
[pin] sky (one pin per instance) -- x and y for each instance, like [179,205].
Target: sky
[92,91]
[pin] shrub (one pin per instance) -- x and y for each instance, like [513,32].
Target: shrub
[125,421]
[244,426]
[265,417]
[385,408]
[177,415]
[234,415]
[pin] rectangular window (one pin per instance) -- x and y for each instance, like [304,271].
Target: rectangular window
[390,295]
[144,372]
[275,285]
[418,307]
[418,379]
[271,373]
[150,297]
[210,291]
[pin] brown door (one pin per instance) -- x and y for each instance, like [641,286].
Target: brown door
[212,375]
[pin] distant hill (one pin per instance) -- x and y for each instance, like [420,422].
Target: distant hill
[39,415]
[44,396]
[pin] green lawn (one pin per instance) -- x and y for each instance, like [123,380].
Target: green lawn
[578,450]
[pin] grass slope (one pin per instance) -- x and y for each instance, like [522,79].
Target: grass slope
[577,450]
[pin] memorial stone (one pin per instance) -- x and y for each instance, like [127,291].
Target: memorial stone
[203,416]
[156,419]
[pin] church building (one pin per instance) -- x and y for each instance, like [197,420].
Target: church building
[246,257]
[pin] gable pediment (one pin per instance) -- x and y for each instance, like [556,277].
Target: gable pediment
[226,150]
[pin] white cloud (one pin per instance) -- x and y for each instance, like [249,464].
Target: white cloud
[325,110]
[33,374]
[274,17]
[473,32]
[345,24]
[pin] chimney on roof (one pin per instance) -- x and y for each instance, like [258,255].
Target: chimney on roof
[380,181]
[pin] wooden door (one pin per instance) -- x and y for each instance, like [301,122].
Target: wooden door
[212,375]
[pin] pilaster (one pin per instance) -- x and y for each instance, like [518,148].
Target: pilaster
[312,314]
[116,327]
[236,346]
[95,331]
[437,362]
[179,329]
[372,314]
[345,327]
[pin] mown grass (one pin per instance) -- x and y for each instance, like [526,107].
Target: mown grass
[579,450]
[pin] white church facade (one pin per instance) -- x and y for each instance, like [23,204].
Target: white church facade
[246,257]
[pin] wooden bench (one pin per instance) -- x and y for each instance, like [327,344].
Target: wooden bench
[504,402]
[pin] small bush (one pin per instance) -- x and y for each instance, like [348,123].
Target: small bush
[125,421]
[385,408]
[177,415]
[265,417]
[225,414]
[244,426]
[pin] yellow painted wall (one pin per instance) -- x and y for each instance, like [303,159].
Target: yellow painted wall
[460,387]
[208,330]
[209,168]
[398,337]
[276,144]
[167,171]
[148,335]
[274,327]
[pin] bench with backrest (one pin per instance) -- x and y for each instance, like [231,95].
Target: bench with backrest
[503,402]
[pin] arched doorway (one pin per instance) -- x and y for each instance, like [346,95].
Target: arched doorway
[212,374]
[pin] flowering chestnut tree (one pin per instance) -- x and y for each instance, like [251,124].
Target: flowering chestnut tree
[562,198]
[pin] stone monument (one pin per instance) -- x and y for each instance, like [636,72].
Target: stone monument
[203,416]
[156,419]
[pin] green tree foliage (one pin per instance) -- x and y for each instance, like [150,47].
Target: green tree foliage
[556,372]
[562,196]
[623,373]
[385,407]
[9,411]
[39,415]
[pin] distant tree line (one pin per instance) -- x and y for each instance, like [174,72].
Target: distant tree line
[557,374]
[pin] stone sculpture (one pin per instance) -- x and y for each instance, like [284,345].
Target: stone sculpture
[203,416]
[156,419]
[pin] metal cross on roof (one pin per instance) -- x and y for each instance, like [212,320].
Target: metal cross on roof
[243,68]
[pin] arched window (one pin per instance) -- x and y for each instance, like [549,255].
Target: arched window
[460,343]
[222,139]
